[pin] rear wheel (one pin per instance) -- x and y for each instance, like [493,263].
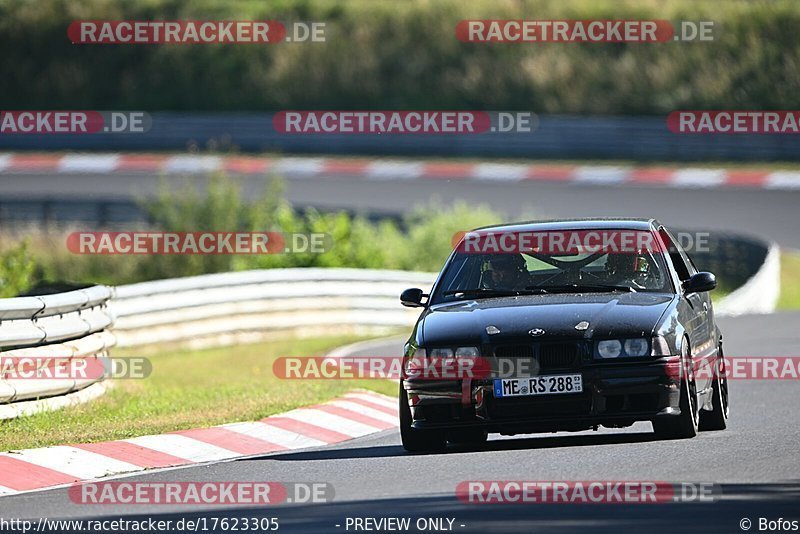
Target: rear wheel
[717,418]
[684,425]
[415,440]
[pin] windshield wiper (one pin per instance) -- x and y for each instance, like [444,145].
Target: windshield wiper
[486,292]
[581,288]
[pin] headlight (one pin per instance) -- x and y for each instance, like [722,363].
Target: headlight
[467,352]
[440,353]
[460,352]
[622,348]
[636,347]
[610,348]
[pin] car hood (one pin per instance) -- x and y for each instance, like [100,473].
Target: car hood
[608,315]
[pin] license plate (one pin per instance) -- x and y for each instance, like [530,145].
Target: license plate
[537,385]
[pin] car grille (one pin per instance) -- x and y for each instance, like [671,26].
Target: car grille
[550,355]
[514,351]
[558,355]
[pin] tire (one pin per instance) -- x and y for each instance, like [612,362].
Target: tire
[717,418]
[472,436]
[415,440]
[685,425]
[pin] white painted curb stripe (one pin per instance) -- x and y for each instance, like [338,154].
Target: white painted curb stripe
[698,177]
[600,175]
[178,164]
[503,172]
[330,421]
[308,167]
[88,163]
[183,447]
[364,410]
[381,401]
[86,465]
[5,160]
[394,170]
[273,434]
[783,180]
[299,166]
[74,462]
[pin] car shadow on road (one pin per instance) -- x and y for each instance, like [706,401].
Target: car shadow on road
[529,443]
[739,503]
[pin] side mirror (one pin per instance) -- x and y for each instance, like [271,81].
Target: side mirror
[700,282]
[412,298]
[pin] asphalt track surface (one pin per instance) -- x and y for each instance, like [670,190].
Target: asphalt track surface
[766,213]
[754,463]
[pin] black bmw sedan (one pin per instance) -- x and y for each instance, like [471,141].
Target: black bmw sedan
[581,323]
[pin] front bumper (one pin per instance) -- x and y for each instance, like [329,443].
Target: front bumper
[614,395]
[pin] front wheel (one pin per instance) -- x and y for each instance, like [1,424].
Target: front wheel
[415,440]
[717,418]
[684,425]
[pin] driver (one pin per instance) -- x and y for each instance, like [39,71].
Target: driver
[506,271]
[632,270]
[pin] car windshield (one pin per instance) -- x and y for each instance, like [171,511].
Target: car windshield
[484,274]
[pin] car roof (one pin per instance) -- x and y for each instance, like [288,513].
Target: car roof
[605,223]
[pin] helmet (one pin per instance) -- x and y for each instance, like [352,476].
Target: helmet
[628,263]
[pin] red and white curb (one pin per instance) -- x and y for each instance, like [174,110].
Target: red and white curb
[353,415]
[385,169]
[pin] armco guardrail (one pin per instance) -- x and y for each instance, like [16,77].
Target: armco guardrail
[209,309]
[231,307]
[760,293]
[557,137]
[64,326]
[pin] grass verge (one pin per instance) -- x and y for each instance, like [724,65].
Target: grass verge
[790,280]
[189,389]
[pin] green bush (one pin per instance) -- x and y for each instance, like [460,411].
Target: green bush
[422,240]
[220,208]
[404,55]
[419,241]
[17,269]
